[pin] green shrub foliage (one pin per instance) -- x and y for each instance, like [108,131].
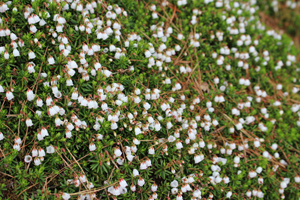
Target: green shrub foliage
[187,99]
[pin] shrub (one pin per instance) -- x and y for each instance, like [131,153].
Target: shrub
[146,100]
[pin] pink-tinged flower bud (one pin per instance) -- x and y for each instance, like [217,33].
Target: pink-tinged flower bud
[92,147]
[37,161]
[9,95]
[141,182]
[16,146]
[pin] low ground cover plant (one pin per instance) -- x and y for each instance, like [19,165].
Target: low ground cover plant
[283,14]
[146,100]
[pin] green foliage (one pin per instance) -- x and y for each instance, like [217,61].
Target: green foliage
[102,105]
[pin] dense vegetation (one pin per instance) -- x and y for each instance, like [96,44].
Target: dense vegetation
[146,100]
[283,15]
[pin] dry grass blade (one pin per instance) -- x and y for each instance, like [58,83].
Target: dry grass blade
[79,167]
[92,190]
[231,120]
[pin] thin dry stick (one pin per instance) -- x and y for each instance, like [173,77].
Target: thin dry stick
[293,148]
[24,136]
[7,174]
[12,115]
[80,168]
[39,73]
[285,155]
[219,131]
[242,130]
[92,190]
[244,147]
[113,161]
[10,130]
[75,160]
[26,189]
[52,176]
[86,187]
[111,174]
[2,152]
[67,157]
[2,104]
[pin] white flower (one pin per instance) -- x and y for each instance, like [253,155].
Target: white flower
[58,94]
[179,145]
[82,178]
[151,151]
[256,143]
[50,149]
[248,193]
[6,55]
[260,194]
[92,147]
[226,179]
[259,170]
[51,60]
[174,190]
[228,195]
[297,179]
[18,140]
[197,159]
[66,196]
[239,126]
[252,174]
[141,182]
[30,95]
[4,8]
[99,136]
[143,165]
[40,136]
[123,183]
[283,184]
[37,161]
[177,86]
[69,82]
[29,122]
[274,146]
[28,159]
[70,126]
[16,146]
[137,130]
[68,134]
[113,125]
[148,162]
[34,153]
[48,101]
[133,188]
[136,141]
[44,132]
[174,184]
[147,53]
[41,152]
[154,188]
[237,159]
[118,152]
[9,95]
[16,53]
[39,102]
[1,136]
[61,20]
[135,173]
[31,55]
[146,105]
[31,68]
